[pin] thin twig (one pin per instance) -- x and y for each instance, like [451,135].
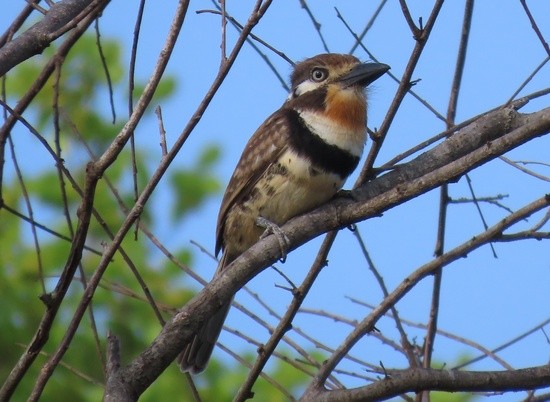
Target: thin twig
[529,78]
[285,322]
[479,211]
[535,27]
[105,70]
[266,377]
[407,14]
[72,369]
[524,170]
[316,24]
[445,334]
[162,132]
[28,205]
[505,345]
[494,200]
[444,191]
[238,26]
[223,43]
[353,323]
[131,86]
[402,90]
[299,364]
[359,38]
[407,347]
[46,228]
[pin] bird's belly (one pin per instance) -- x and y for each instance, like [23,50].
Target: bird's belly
[294,187]
[287,189]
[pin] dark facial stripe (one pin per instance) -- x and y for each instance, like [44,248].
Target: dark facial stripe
[326,157]
[312,100]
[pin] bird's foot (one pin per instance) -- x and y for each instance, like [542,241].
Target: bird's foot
[349,194]
[272,228]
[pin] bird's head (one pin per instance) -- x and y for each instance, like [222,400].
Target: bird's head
[331,69]
[331,86]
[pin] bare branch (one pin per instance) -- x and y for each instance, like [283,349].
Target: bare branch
[401,190]
[359,38]
[60,17]
[407,347]
[535,27]
[316,24]
[16,24]
[525,170]
[414,380]
[402,90]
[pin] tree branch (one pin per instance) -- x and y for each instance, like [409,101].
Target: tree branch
[418,379]
[60,17]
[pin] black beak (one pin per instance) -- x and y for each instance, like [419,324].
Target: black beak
[364,74]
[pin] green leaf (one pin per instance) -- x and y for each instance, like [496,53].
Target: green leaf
[192,188]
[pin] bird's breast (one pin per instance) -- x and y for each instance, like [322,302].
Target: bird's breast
[350,139]
[289,187]
[293,186]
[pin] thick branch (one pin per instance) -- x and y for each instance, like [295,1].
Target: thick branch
[38,37]
[415,380]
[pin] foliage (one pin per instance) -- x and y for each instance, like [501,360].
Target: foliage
[27,272]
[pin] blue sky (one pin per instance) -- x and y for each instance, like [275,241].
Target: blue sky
[484,299]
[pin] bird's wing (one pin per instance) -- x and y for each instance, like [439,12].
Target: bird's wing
[262,150]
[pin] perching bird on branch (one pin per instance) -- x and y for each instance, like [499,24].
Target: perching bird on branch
[298,159]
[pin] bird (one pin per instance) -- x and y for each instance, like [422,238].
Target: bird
[297,160]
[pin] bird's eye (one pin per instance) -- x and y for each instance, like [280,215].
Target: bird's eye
[319,74]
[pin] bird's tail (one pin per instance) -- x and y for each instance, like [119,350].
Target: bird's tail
[196,353]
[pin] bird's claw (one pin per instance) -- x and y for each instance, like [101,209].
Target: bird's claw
[349,194]
[272,228]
